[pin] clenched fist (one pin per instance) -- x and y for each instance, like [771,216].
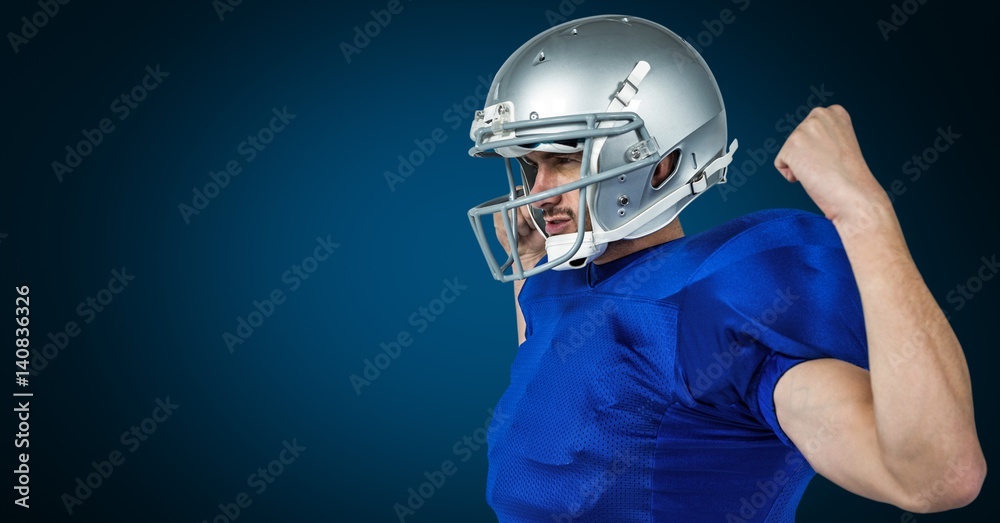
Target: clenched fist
[823,154]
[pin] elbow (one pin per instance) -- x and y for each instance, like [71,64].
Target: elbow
[967,488]
[957,486]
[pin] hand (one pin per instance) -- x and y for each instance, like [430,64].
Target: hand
[530,242]
[823,154]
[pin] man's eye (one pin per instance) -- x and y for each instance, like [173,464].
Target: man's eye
[566,159]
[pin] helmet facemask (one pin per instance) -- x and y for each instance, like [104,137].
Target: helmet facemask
[567,251]
[550,96]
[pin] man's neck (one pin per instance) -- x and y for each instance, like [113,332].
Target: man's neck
[623,248]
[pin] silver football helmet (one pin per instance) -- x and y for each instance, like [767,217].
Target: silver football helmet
[626,92]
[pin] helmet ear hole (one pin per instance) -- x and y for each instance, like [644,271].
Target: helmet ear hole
[665,169]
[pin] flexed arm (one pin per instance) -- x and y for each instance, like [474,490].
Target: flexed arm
[903,433]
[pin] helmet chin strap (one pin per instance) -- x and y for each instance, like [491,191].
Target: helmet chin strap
[593,247]
[709,175]
[558,245]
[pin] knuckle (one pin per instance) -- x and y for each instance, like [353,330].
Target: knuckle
[841,111]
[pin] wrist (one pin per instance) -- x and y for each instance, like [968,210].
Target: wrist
[867,215]
[872,236]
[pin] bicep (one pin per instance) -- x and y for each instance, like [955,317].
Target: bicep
[825,408]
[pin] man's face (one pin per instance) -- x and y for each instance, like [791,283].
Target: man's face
[554,170]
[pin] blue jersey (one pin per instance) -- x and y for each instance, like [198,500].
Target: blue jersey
[644,389]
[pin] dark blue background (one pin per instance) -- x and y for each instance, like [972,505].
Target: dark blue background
[324,176]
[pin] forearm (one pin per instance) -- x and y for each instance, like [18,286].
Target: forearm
[919,377]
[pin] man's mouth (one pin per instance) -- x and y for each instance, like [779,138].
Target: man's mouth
[557,225]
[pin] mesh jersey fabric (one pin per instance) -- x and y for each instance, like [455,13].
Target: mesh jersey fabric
[643,390]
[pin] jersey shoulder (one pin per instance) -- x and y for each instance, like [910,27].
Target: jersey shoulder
[757,233]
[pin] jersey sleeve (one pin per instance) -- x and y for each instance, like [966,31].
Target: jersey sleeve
[778,293]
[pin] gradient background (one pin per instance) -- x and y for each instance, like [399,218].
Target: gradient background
[324,176]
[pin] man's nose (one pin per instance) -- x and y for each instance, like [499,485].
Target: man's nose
[545,179]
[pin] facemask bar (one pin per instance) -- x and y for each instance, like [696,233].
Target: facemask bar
[512,201]
[484,147]
[507,206]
